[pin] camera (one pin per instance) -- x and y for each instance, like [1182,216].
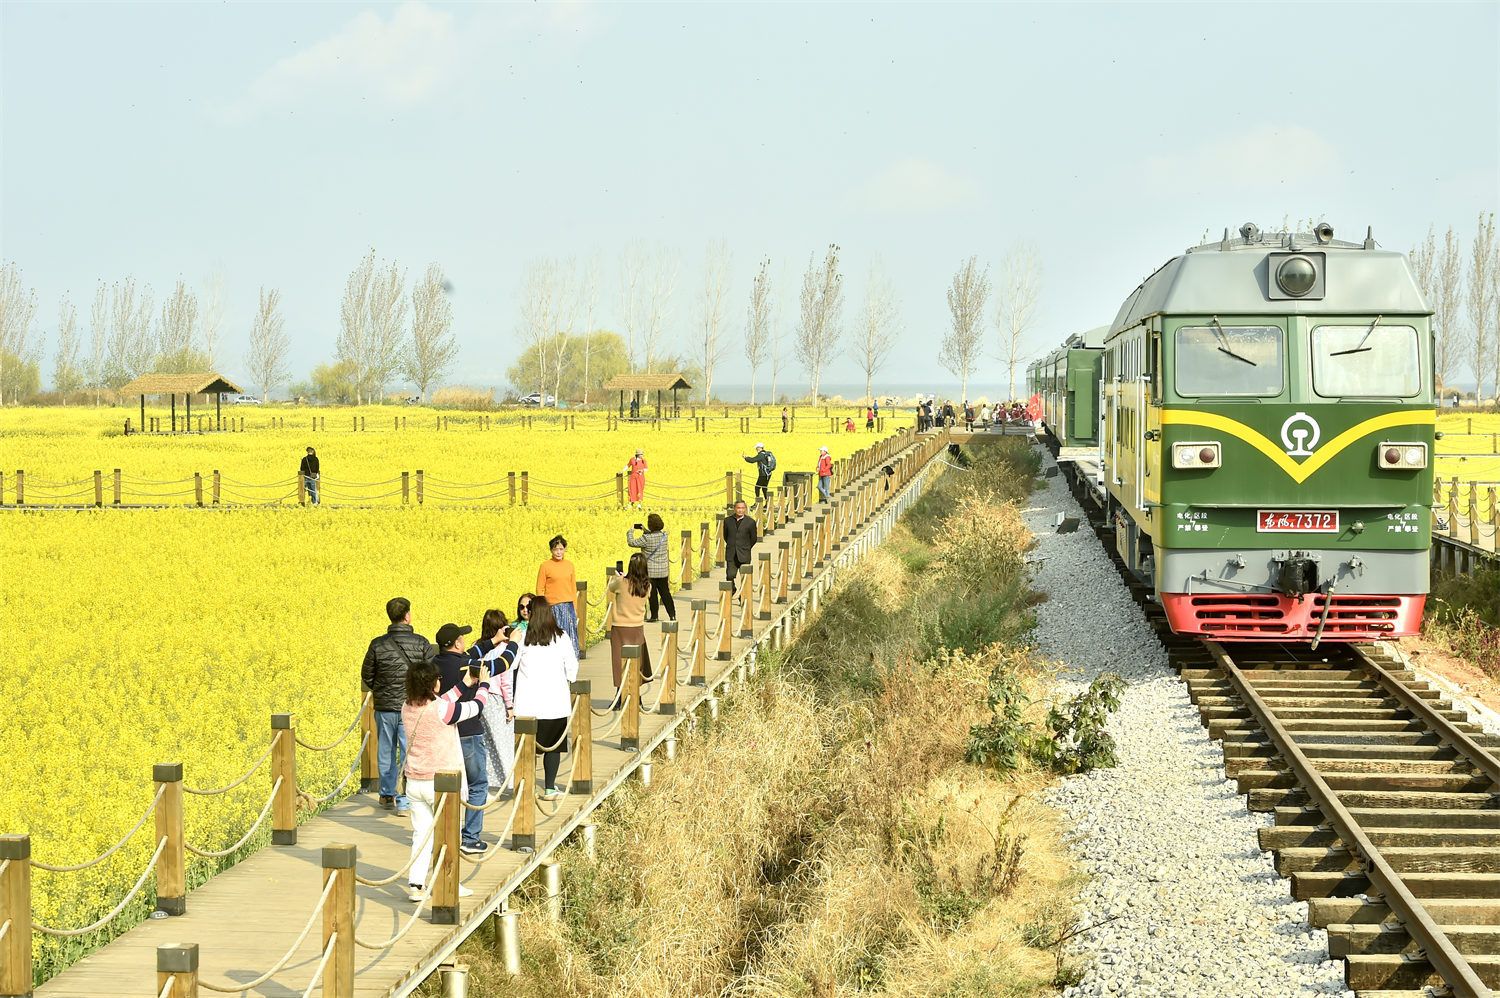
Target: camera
[639,527]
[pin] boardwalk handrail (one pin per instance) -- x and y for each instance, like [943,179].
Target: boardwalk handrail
[75,867]
[140,882]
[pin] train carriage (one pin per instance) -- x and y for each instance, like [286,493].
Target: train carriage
[1067,383]
[1267,435]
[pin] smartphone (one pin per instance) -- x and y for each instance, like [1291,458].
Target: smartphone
[639,527]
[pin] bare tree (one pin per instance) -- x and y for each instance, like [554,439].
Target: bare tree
[353,344]
[588,291]
[538,319]
[1448,278]
[67,375]
[713,342]
[758,324]
[177,332]
[822,306]
[387,328]
[17,308]
[98,339]
[876,333]
[213,315]
[269,345]
[1015,304]
[131,348]
[1481,287]
[433,347]
[564,317]
[661,284]
[967,296]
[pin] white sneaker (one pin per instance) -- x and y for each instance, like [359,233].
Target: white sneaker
[414,893]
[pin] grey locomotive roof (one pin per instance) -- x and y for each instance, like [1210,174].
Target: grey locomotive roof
[1231,277]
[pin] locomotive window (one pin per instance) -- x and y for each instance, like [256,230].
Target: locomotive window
[1229,360]
[1365,361]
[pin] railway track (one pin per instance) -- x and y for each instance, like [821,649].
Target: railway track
[1385,796]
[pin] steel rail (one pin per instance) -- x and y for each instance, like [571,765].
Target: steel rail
[1456,971]
[1447,730]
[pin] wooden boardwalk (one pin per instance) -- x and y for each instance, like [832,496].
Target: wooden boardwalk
[247,918]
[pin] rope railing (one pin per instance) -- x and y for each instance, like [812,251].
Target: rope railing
[167,986]
[317,976]
[517,797]
[416,914]
[254,767]
[75,867]
[358,714]
[48,930]
[426,839]
[254,827]
[234,989]
[349,775]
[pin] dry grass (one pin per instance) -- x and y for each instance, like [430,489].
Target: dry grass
[825,837]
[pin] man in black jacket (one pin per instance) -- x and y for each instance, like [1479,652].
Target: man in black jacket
[451,662]
[765,463]
[311,475]
[384,675]
[739,538]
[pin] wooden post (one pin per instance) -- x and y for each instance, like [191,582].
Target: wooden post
[583,737]
[178,963]
[443,876]
[217,491]
[338,918]
[747,601]
[171,869]
[198,487]
[15,908]
[20,487]
[405,488]
[98,488]
[783,569]
[728,488]
[419,486]
[525,487]
[620,488]
[763,611]
[174,412]
[687,575]
[719,544]
[284,766]
[581,603]
[796,563]
[666,669]
[117,486]
[725,633]
[630,719]
[699,675]
[705,550]
[369,760]
[1494,519]
[523,831]
[1474,514]
[301,491]
[510,482]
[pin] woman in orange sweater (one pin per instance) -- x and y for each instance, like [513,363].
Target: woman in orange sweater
[557,582]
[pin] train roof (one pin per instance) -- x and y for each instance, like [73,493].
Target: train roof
[1233,276]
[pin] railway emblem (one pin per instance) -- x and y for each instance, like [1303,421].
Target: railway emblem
[1300,434]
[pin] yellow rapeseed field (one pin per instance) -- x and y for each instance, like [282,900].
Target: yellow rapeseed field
[138,636]
[1470,448]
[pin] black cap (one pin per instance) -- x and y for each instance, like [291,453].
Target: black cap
[449,633]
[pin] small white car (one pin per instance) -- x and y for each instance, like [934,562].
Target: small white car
[537,398]
[240,399]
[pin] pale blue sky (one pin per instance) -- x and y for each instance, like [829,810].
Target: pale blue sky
[278,141]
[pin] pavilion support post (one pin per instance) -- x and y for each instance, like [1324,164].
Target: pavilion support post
[187,401]
[174,412]
[218,410]
[143,412]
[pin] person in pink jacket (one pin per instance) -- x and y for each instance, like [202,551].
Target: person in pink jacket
[432,746]
[825,473]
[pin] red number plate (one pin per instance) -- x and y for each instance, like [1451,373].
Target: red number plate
[1300,521]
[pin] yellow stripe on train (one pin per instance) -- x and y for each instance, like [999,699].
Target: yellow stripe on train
[1298,471]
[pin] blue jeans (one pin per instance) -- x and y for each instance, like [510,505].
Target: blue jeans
[312,488]
[477,773]
[825,484]
[390,734]
[566,615]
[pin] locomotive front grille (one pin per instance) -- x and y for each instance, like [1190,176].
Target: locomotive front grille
[1352,617]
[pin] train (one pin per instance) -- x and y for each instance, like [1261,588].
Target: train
[1262,444]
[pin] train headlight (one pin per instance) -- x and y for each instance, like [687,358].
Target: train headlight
[1296,276]
[1196,454]
[1397,455]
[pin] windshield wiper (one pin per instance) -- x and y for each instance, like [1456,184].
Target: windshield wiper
[1362,340]
[1224,343]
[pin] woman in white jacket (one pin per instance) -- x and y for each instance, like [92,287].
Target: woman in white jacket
[545,665]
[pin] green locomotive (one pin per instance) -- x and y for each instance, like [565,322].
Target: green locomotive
[1065,385]
[1265,454]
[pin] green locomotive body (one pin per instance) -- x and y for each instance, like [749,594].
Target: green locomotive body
[1267,439]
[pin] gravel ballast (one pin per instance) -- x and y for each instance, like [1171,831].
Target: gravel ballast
[1184,900]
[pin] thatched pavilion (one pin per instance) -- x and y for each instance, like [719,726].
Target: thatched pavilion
[638,383]
[186,385]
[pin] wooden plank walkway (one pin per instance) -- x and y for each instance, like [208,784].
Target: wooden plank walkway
[245,919]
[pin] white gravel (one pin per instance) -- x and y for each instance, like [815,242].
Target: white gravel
[1193,906]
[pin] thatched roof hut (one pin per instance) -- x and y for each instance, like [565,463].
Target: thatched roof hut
[186,385]
[647,382]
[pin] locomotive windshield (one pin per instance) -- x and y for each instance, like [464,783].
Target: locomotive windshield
[1229,360]
[1366,361]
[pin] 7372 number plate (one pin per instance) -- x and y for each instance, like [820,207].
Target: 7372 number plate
[1301,521]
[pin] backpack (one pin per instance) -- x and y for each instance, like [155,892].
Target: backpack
[769,462]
